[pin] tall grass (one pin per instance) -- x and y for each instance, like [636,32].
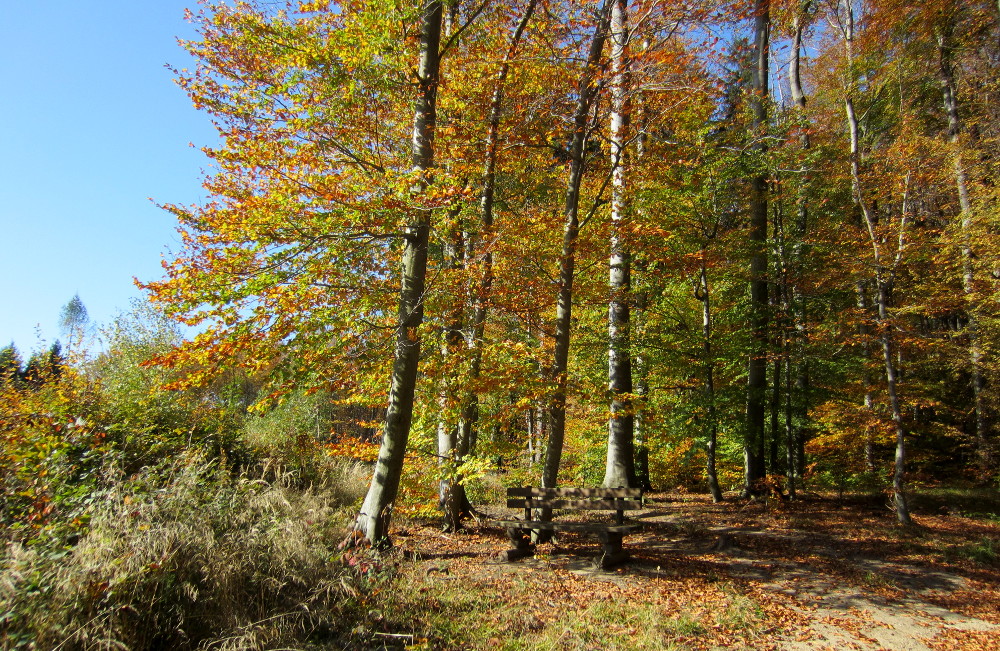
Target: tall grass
[188,556]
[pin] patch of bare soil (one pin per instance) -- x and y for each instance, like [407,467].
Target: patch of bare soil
[815,573]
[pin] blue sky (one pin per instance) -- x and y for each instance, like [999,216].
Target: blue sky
[93,126]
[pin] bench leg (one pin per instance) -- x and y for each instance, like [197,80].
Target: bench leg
[521,545]
[539,536]
[612,553]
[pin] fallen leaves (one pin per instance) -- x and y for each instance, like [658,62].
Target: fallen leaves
[766,588]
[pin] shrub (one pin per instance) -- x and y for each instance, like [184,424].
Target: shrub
[147,423]
[186,555]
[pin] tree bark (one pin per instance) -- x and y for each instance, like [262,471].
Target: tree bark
[793,432]
[640,435]
[470,410]
[620,468]
[753,452]
[884,272]
[864,331]
[891,376]
[452,446]
[712,422]
[454,443]
[789,428]
[374,518]
[586,92]
[982,437]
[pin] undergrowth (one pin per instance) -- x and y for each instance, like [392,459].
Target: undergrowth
[186,556]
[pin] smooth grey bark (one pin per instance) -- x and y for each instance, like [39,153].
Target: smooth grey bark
[712,423]
[865,332]
[790,446]
[452,446]
[802,389]
[481,299]
[640,362]
[891,375]
[795,59]
[641,389]
[374,518]
[946,45]
[586,92]
[884,274]
[796,302]
[753,447]
[774,402]
[455,442]
[620,467]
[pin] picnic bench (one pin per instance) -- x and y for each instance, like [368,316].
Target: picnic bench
[610,534]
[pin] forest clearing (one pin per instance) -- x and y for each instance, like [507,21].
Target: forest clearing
[732,265]
[822,573]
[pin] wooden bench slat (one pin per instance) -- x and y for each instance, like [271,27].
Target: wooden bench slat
[597,493]
[595,504]
[588,527]
[571,498]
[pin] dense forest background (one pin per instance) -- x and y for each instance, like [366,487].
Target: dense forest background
[743,248]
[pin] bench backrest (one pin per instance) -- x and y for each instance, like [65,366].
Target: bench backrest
[598,499]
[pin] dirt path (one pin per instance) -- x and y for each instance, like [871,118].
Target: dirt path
[816,574]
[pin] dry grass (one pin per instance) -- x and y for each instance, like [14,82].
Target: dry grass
[188,557]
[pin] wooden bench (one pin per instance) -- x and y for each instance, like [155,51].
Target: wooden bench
[610,534]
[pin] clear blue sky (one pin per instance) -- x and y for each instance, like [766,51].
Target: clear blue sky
[92,127]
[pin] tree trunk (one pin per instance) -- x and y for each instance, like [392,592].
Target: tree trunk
[753,454]
[620,467]
[775,398]
[586,92]
[864,331]
[789,428]
[793,431]
[470,412]
[891,376]
[883,274]
[802,389]
[374,518]
[984,451]
[451,492]
[712,423]
[453,498]
[452,446]
[641,446]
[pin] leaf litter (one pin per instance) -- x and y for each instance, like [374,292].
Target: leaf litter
[816,573]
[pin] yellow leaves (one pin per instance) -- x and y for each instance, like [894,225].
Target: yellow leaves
[353,448]
[314,6]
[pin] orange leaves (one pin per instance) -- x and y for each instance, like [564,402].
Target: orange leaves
[353,448]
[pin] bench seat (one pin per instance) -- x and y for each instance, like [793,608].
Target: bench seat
[585,527]
[546,500]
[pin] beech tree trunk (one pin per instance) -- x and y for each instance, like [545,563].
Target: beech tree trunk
[753,447]
[641,449]
[374,518]
[620,468]
[984,450]
[891,376]
[864,331]
[884,272]
[470,410]
[586,92]
[452,446]
[797,344]
[712,423]
[454,443]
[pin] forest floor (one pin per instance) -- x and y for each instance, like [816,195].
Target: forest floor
[816,573]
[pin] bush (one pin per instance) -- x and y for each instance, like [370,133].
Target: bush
[147,423]
[186,555]
[53,460]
